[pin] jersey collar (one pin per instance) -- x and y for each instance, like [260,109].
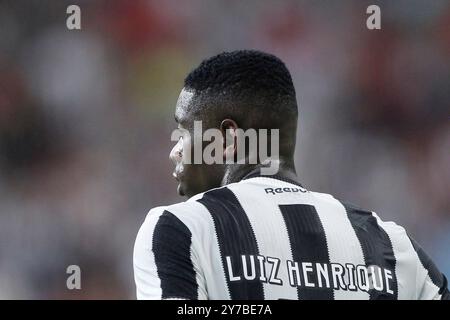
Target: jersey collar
[256,173]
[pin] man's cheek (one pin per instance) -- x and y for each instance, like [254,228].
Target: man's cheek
[187,150]
[180,190]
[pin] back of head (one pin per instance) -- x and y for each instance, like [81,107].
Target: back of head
[251,87]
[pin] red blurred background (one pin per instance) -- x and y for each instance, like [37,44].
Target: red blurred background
[86,117]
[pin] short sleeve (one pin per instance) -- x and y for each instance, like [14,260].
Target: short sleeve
[164,263]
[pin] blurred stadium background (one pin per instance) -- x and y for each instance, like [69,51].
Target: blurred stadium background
[86,117]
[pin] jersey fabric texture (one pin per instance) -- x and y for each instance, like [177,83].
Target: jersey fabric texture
[270,238]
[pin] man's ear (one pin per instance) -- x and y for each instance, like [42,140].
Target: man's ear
[229,134]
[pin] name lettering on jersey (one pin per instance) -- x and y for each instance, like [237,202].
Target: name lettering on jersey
[275,269]
[283,190]
[309,274]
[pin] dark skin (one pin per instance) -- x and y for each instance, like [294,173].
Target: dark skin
[197,178]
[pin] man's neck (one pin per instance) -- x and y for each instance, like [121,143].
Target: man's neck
[235,172]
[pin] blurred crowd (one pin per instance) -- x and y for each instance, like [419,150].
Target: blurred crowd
[86,117]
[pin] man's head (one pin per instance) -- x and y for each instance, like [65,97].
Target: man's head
[240,89]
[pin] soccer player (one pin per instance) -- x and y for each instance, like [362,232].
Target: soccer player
[246,235]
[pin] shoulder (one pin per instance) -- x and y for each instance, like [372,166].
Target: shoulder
[144,236]
[162,232]
[364,219]
[194,214]
[187,217]
[156,217]
[150,221]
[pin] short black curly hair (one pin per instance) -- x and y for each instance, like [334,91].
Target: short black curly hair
[246,70]
[257,78]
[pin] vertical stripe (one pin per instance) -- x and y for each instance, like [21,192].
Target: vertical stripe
[308,243]
[343,245]
[236,238]
[148,284]
[376,246]
[205,250]
[436,277]
[270,232]
[171,246]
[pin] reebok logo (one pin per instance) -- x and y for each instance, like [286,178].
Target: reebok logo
[283,190]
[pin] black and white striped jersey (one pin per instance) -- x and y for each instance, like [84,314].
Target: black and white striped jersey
[269,238]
